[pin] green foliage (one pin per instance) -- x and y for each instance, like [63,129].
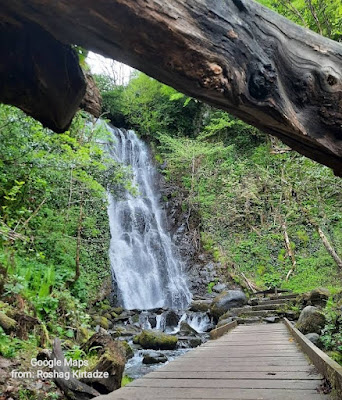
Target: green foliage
[241,188]
[324,17]
[126,380]
[331,337]
[52,189]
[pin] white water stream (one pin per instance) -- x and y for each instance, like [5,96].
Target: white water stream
[148,271]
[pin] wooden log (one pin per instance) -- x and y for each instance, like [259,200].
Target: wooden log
[236,55]
[72,387]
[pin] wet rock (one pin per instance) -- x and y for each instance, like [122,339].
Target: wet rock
[171,319]
[271,319]
[313,337]
[227,300]
[317,297]
[186,330]
[155,340]
[195,342]
[311,320]
[152,319]
[200,305]
[154,358]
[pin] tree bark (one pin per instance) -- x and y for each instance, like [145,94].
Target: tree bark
[329,247]
[72,388]
[290,253]
[235,55]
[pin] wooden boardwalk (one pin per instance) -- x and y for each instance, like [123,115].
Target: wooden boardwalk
[249,363]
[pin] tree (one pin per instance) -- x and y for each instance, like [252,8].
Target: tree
[236,55]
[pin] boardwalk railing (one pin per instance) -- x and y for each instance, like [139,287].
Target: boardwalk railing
[329,368]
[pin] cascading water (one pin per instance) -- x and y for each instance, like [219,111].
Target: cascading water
[143,258]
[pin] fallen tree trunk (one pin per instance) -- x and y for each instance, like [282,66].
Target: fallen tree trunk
[71,387]
[329,247]
[233,54]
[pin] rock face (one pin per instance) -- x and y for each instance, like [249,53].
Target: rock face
[227,300]
[154,358]
[156,340]
[311,320]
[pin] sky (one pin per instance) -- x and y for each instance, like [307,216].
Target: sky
[118,71]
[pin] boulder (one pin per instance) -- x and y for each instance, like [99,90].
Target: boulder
[313,337]
[186,330]
[156,340]
[200,305]
[171,319]
[317,297]
[219,287]
[311,320]
[227,300]
[154,358]
[271,319]
[195,342]
[102,321]
[112,359]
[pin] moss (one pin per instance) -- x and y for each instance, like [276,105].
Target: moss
[156,340]
[102,321]
[128,350]
[118,310]
[7,323]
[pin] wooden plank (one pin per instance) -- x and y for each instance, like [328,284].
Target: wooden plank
[264,364]
[237,368]
[233,375]
[227,383]
[133,393]
[218,332]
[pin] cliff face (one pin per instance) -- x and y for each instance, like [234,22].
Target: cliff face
[200,267]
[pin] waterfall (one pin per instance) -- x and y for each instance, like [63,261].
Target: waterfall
[147,269]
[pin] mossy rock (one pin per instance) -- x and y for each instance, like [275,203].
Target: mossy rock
[83,334]
[8,324]
[114,314]
[102,321]
[128,349]
[107,315]
[105,307]
[156,340]
[227,300]
[118,310]
[311,320]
